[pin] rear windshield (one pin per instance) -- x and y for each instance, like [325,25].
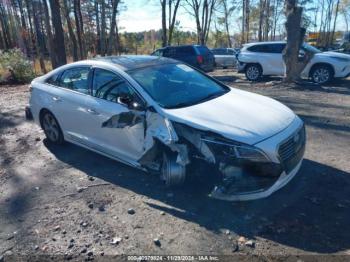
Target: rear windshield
[203,50]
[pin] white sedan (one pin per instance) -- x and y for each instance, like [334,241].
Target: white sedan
[265,59]
[158,114]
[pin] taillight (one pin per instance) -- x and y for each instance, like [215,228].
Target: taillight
[200,59]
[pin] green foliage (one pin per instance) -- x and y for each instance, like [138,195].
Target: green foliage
[15,67]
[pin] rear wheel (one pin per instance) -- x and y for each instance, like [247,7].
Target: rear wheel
[253,72]
[51,128]
[321,74]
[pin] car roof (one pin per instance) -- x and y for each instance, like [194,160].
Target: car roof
[130,62]
[265,43]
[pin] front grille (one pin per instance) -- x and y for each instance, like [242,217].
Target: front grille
[292,150]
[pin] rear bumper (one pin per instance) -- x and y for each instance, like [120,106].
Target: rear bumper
[207,67]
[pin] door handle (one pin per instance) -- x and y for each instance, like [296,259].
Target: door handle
[92,111]
[56,99]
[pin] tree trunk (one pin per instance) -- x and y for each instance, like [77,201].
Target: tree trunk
[39,36]
[295,37]
[173,20]
[98,28]
[261,18]
[335,21]
[243,22]
[247,17]
[78,28]
[4,25]
[113,27]
[24,28]
[164,34]
[70,31]
[50,44]
[103,28]
[267,20]
[59,47]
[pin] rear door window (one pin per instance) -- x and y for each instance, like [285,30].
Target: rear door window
[230,52]
[184,50]
[276,48]
[76,79]
[203,50]
[54,79]
[169,52]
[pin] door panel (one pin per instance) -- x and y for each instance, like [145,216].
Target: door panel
[109,133]
[68,101]
[112,127]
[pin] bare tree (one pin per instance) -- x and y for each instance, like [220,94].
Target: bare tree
[202,12]
[227,11]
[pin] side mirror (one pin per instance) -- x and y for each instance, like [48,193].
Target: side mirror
[128,101]
[124,100]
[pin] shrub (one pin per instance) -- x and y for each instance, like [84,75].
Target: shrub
[15,67]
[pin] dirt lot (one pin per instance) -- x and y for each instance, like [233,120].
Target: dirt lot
[71,202]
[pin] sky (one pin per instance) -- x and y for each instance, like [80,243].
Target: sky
[143,15]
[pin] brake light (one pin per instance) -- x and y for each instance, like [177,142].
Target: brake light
[200,59]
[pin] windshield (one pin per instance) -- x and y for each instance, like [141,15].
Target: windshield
[177,85]
[311,49]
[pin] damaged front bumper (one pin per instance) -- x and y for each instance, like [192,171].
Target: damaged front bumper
[281,182]
[286,149]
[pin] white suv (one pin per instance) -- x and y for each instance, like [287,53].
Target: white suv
[265,58]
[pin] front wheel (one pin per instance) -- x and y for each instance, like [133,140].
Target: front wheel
[321,74]
[172,173]
[51,128]
[253,72]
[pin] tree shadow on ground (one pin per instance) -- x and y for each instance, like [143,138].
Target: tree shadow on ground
[311,213]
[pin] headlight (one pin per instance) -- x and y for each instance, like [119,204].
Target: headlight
[239,151]
[250,153]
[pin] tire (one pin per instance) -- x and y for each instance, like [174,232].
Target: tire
[172,173]
[51,127]
[253,72]
[321,74]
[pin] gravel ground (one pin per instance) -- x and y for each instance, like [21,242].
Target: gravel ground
[67,202]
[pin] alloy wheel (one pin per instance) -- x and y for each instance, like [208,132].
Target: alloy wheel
[50,127]
[321,75]
[253,73]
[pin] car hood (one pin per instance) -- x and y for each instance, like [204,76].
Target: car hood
[334,54]
[238,115]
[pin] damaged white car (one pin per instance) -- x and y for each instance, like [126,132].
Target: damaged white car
[158,114]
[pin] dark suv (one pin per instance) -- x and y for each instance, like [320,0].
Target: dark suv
[198,56]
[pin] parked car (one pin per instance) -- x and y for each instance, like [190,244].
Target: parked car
[198,56]
[224,57]
[265,58]
[161,115]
